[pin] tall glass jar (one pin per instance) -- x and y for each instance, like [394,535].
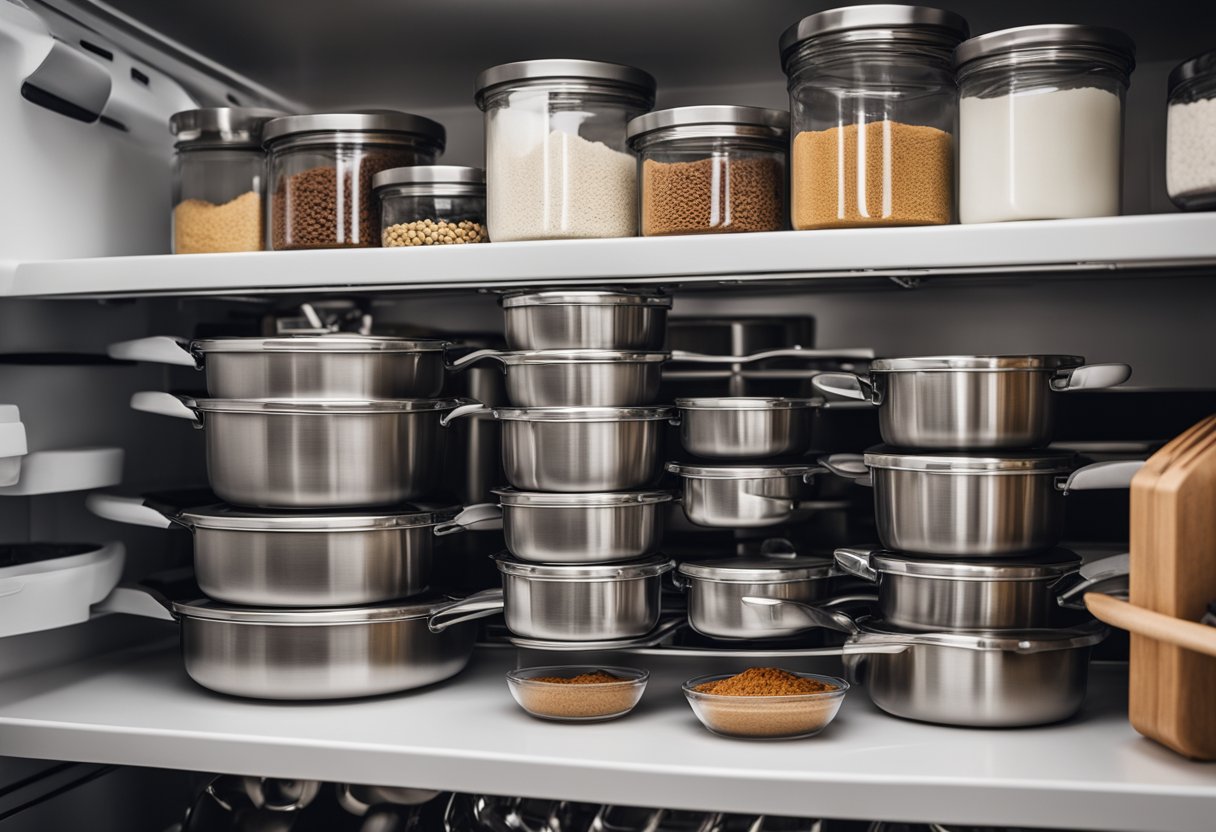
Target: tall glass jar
[557,166]
[1190,147]
[872,112]
[321,168]
[218,177]
[711,170]
[1041,122]
[428,205]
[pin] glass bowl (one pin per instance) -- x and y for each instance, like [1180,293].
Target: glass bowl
[565,702]
[766,717]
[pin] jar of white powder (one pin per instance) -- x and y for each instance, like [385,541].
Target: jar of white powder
[1190,148]
[557,166]
[1041,122]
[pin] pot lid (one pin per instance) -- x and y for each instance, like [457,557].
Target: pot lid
[598,73]
[646,568]
[511,497]
[337,342]
[514,357]
[1046,36]
[585,297]
[228,518]
[322,406]
[759,570]
[746,403]
[878,16]
[1019,641]
[370,121]
[956,463]
[775,123]
[1192,68]
[430,175]
[739,472]
[583,414]
[208,610]
[221,126]
[975,362]
[1043,566]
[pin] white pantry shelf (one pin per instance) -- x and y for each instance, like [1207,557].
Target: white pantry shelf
[1134,243]
[138,708]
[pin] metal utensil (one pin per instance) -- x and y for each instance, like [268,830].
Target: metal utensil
[743,496]
[745,427]
[585,319]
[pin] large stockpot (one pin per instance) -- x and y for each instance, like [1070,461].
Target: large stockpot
[742,496]
[338,366]
[574,528]
[745,427]
[598,319]
[307,654]
[297,560]
[583,603]
[970,402]
[272,453]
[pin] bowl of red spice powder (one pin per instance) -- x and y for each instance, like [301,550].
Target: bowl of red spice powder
[573,693]
[766,703]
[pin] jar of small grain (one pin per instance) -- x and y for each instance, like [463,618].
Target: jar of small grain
[218,178]
[430,205]
[872,111]
[1190,147]
[321,168]
[710,170]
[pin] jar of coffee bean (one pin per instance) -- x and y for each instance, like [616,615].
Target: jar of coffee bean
[431,205]
[321,168]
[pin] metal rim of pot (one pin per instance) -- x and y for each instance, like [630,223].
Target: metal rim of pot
[322,406]
[979,463]
[759,570]
[337,342]
[733,404]
[513,358]
[649,567]
[583,414]
[584,297]
[606,499]
[1045,566]
[740,472]
[208,610]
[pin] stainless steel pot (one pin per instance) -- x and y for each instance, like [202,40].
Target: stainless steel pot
[296,560]
[977,506]
[568,603]
[743,497]
[315,454]
[338,366]
[574,528]
[307,654]
[933,595]
[970,402]
[597,319]
[745,427]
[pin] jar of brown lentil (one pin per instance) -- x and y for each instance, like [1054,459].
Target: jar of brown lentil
[429,205]
[873,104]
[710,170]
[321,168]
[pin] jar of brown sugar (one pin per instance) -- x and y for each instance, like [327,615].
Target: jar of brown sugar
[873,105]
[428,205]
[321,168]
[710,170]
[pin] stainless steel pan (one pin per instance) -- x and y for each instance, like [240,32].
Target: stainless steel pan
[744,496]
[745,427]
[598,319]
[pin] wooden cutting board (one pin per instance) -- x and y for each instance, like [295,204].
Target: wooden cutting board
[1172,696]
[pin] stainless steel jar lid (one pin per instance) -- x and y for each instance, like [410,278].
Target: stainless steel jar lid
[1016,641]
[739,472]
[746,403]
[321,406]
[424,178]
[584,297]
[591,73]
[1044,566]
[607,499]
[221,126]
[712,120]
[208,610]
[759,570]
[1200,66]
[647,568]
[511,358]
[337,342]
[227,518]
[370,121]
[1047,363]
[955,463]
[864,20]
[583,414]
[1111,43]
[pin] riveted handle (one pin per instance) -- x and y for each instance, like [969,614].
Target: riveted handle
[166,404]
[462,411]
[1100,476]
[856,562]
[479,605]
[134,511]
[157,349]
[475,356]
[486,516]
[1091,377]
[845,385]
[849,466]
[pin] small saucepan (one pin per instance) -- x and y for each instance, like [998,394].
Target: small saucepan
[598,319]
[746,427]
[744,496]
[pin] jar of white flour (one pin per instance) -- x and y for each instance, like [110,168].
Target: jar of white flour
[1041,122]
[1190,148]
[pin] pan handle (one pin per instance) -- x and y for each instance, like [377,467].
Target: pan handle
[166,404]
[1100,475]
[130,599]
[475,356]
[861,354]
[1108,576]
[846,385]
[157,349]
[133,511]
[1091,377]
[849,466]
[478,605]
[782,613]
[462,411]
[856,562]
[479,516]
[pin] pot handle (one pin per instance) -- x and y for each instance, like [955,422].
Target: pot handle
[158,349]
[130,599]
[1100,475]
[473,358]
[1091,377]
[849,466]
[479,516]
[165,404]
[478,605]
[861,354]
[778,610]
[463,410]
[133,511]
[845,385]
[856,562]
[1108,576]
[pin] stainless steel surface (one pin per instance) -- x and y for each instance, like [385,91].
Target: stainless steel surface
[708,122]
[371,121]
[577,378]
[745,427]
[592,74]
[220,126]
[1100,39]
[716,589]
[882,16]
[742,497]
[951,463]
[552,528]
[590,319]
[428,175]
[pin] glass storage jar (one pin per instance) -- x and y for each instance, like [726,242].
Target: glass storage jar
[321,168]
[872,111]
[1041,122]
[431,205]
[710,170]
[1190,147]
[557,166]
[218,177]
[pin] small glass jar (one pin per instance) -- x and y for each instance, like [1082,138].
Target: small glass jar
[431,205]
[321,168]
[557,166]
[710,170]
[872,111]
[1041,123]
[218,177]
[1190,147]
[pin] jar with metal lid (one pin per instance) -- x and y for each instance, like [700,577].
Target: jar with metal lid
[428,205]
[707,170]
[321,168]
[1041,122]
[218,179]
[1190,147]
[872,111]
[557,165]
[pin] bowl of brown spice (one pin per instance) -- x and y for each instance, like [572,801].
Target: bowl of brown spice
[572,693]
[766,703]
